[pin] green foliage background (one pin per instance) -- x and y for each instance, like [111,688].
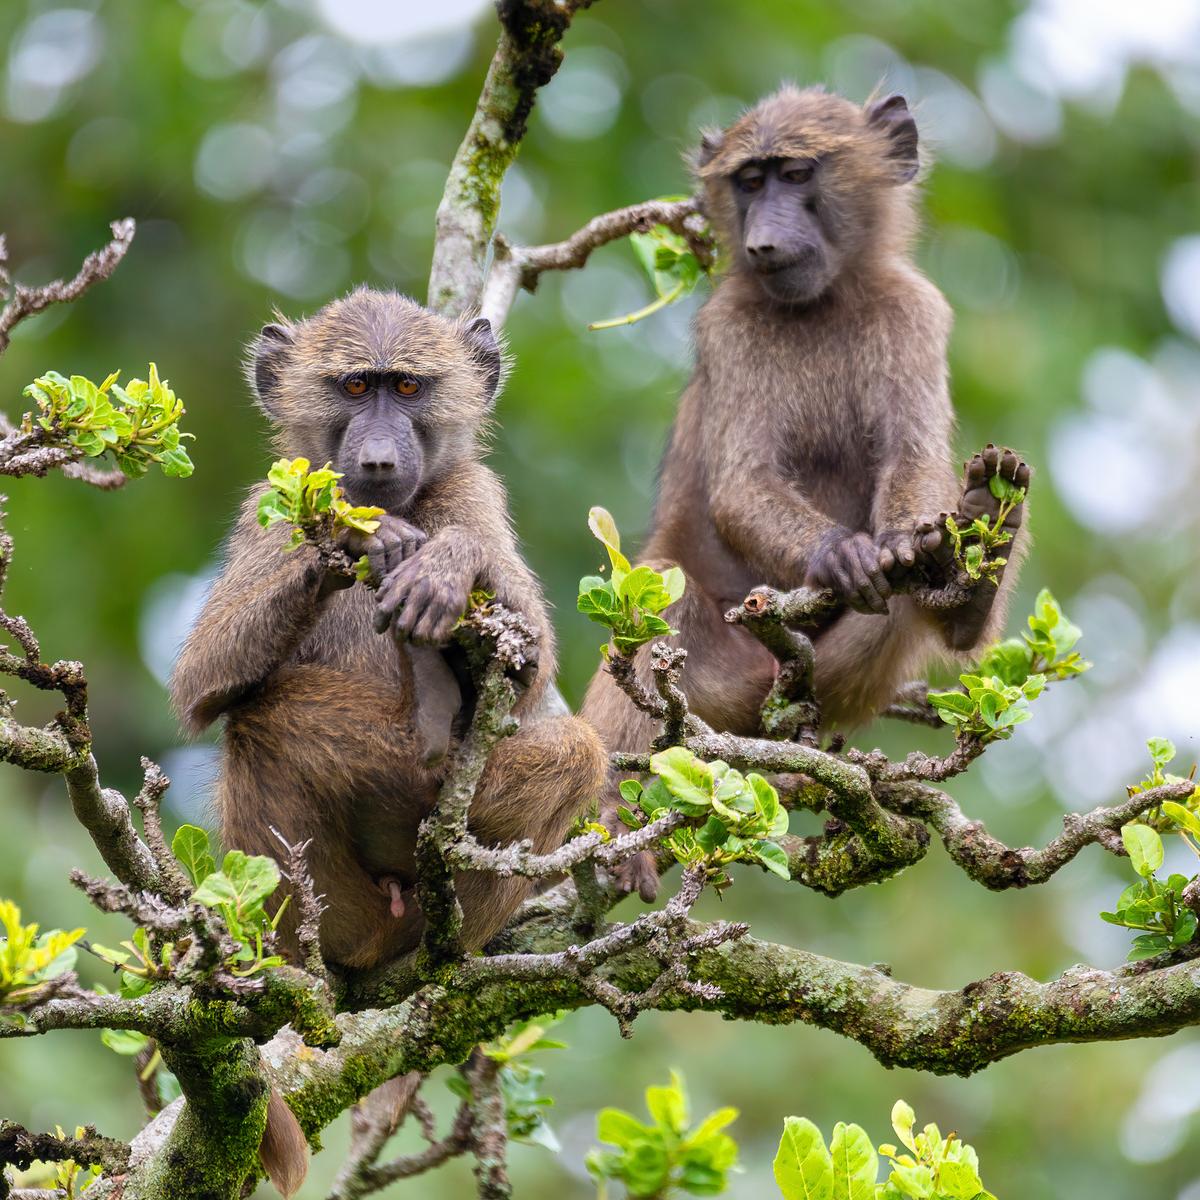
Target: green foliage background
[1051,250]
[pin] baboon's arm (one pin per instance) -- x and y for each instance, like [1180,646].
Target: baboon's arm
[260,607]
[758,510]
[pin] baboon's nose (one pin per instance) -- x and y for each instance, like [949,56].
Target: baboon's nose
[760,250]
[377,454]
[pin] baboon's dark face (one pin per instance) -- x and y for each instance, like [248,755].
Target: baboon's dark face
[391,394]
[380,447]
[785,242]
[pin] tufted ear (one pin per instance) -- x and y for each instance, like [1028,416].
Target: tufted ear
[891,115]
[268,354]
[485,351]
[711,141]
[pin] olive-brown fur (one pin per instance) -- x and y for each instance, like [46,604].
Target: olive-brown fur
[321,729]
[808,422]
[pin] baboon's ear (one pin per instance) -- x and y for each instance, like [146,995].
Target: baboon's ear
[891,115]
[485,350]
[711,141]
[269,353]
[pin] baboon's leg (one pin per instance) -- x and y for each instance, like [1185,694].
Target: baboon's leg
[331,756]
[535,785]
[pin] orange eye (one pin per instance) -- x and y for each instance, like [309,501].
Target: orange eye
[406,385]
[355,386]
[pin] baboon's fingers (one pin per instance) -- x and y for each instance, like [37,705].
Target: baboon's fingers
[887,560]
[639,874]
[419,597]
[438,620]
[878,589]
[975,472]
[991,457]
[1023,475]
[839,579]
[1008,465]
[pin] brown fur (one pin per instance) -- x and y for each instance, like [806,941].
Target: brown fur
[319,734]
[798,420]
[321,737]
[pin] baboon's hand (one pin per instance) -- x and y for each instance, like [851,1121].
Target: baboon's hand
[977,499]
[392,543]
[897,554]
[934,545]
[422,599]
[852,566]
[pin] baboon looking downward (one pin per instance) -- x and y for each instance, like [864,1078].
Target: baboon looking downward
[812,444]
[325,737]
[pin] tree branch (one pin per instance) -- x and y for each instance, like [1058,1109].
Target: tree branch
[26,301]
[526,59]
[517,267]
[989,861]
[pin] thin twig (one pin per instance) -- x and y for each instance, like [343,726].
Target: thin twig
[100,264]
[517,267]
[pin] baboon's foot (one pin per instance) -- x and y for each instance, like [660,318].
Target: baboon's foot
[980,486]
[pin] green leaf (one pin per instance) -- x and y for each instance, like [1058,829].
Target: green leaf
[1005,490]
[915,1181]
[668,1105]
[604,528]
[712,835]
[1162,750]
[687,778]
[903,1120]
[959,1181]
[619,1128]
[1147,945]
[712,1124]
[803,1168]
[124,1041]
[1144,846]
[190,846]
[855,1163]
[631,790]
[952,706]
[1010,661]
[674,583]
[774,858]
[1183,817]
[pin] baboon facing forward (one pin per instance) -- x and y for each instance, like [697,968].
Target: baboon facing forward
[812,444]
[327,719]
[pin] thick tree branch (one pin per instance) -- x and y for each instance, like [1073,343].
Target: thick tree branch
[526,59]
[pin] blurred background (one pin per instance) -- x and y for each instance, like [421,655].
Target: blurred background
[277,153]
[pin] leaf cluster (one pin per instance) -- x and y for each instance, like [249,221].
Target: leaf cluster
[1149,905]
[312,502]
[137,424]
[28,959]
[742,814]
[934,1167]
[975,545]
[238,891]
[629,602]
[994,698]
[521,1083]
[653,1158]
[671,265]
